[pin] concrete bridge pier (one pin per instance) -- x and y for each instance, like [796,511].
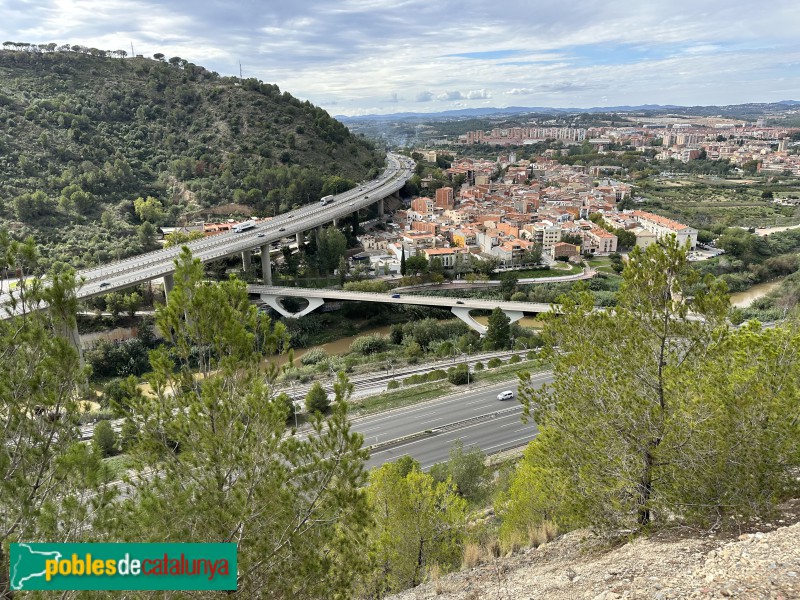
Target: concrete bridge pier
[169,284]
[247,262]
[299,239]
[271,300]
[266,265]
[380,208]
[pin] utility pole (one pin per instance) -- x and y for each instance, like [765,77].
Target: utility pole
[240,72]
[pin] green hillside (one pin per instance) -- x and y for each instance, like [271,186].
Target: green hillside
[85,133]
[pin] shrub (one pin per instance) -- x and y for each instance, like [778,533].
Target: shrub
[514,359]
[414,380]
[458,375]
[313,356]
[284,401]
[105,439]
[317,399]
[494,362]
[412,350]
[393,384]
[370,344]
[531,354]
[519,297]
[370,285]
[479,366]
[436,375]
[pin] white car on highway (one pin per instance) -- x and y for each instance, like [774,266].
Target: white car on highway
[507,395]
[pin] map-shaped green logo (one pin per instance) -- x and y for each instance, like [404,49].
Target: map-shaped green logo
[28,563]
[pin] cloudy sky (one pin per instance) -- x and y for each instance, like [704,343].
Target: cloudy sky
[384,56]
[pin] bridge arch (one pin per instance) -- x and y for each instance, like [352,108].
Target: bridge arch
[273,301]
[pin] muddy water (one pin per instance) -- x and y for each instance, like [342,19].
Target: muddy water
[340,346]
[747,297]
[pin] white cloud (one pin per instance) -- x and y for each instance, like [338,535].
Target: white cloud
[352,51]
[450,95]
[481,94]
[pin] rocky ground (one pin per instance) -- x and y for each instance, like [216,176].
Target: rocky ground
[763,561]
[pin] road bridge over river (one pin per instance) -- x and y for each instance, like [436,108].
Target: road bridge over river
[460,307]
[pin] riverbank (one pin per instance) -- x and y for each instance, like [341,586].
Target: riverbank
[746,297]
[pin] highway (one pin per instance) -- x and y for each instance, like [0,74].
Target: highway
[476,417]
[152,265]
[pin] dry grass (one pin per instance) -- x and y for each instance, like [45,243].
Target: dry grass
[471,556]
[541,533]
[512,542]
[435,576]
[492,549]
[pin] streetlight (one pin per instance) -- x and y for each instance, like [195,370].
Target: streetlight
[389,366]
[294,403]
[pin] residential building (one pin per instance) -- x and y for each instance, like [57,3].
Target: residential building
[448,256]
[662,227]
[599,241]
[444,198]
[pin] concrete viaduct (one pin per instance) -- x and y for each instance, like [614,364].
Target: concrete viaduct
[160,263]
[460,307]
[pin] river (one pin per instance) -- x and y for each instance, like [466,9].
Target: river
[340,346]
[747,297]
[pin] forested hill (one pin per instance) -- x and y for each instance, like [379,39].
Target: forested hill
[85,133]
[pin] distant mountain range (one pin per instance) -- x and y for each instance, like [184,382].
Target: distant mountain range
[749,109]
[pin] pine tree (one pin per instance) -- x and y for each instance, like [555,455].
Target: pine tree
[215,463]
[650,405]
[47,478]
[498,332]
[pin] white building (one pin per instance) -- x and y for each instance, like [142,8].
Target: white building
[662,227]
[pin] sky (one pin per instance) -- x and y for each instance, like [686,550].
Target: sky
[356,57]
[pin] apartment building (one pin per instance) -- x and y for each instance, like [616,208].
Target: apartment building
[444,198]
[448,256]
[662,227]
[423,205]
[545,233]
[599,241]
[425,227]
[464,237]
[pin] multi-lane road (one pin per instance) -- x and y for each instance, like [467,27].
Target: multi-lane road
[476,417]
[152,265]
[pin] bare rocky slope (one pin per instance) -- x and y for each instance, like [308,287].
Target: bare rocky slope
[763,561]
